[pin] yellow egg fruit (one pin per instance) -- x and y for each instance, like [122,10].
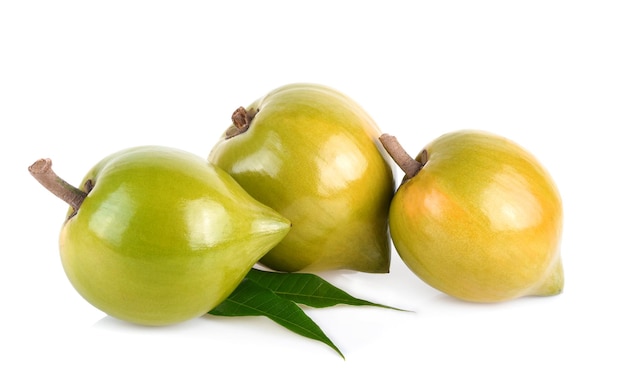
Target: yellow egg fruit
[478,218]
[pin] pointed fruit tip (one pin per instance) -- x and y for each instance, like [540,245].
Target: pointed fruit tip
[553,284]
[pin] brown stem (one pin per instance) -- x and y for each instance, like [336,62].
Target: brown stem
[241,122]
[42,171]
[408,164]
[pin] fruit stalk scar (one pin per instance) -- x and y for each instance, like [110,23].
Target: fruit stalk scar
[241,122]
[42,171]
[409,165]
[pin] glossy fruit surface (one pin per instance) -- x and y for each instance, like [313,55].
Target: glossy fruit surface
[481,221]
[312,154]
[163,236]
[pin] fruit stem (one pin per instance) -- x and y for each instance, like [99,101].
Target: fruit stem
[42,171]
[241,122]
[410,166]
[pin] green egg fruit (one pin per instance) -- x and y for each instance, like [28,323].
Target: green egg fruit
[162,236]
[480,219]
[312,154]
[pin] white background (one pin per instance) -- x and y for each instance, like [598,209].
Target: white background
[81,79]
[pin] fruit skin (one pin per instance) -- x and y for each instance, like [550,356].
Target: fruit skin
[163,236]
[481,221]
[312,154]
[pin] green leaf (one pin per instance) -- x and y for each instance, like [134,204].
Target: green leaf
[252,299]
[307,289]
